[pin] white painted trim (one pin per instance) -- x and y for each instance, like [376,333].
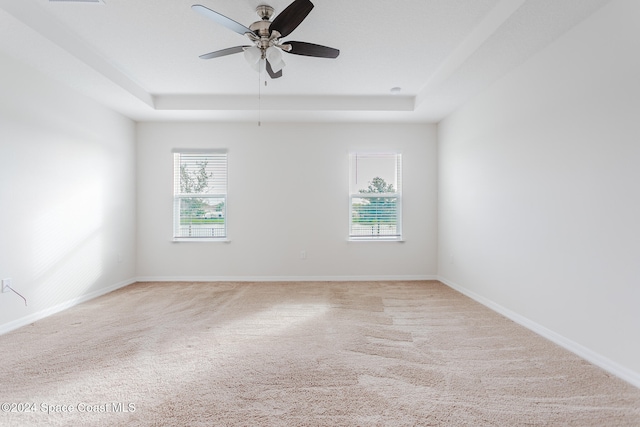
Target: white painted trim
[284,102]
[283,278]
[34,317]
[597,359]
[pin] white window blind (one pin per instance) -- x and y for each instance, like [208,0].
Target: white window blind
[375,196]
[200,194]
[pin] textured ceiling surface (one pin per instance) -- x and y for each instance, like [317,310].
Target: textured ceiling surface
[141,57]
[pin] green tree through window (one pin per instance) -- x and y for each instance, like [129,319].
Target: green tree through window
[194,181]
[375,196]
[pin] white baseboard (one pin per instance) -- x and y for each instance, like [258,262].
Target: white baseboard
[34,317]
[283,278]
[597,359]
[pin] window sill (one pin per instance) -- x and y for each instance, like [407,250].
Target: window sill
[376,240]
[199,240]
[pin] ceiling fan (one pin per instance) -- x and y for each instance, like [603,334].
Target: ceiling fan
[266,50]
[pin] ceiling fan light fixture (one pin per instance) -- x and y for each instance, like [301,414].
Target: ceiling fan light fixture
[274,56]
[260,65]
[253,55]
[278,67]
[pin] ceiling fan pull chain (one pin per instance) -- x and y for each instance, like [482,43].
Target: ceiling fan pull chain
[260,76]
[259,98]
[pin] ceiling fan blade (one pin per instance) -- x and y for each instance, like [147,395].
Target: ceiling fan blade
[221,19]
[273,74]
[289,19]
[223,52]
[310,49]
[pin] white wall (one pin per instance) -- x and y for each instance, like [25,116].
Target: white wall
[539,190]
[67,195]
[288,188]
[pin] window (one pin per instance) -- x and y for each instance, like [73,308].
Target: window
[375,196]
[200,194]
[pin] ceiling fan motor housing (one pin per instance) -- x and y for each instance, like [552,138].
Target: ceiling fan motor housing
[261,28]
[265,38]
[265,12]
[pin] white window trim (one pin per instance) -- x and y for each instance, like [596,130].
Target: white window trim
[399,237]
[196,239]
[200,240]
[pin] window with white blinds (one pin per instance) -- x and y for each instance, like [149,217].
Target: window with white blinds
[200,194]
[375,196]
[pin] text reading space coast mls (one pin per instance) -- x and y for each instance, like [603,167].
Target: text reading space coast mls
[48,408]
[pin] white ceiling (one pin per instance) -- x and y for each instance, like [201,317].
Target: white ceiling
[140,57]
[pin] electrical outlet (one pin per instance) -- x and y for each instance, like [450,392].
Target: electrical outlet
[6,284]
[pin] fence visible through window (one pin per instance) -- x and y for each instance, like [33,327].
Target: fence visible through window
[374,217]
[374,230]
[197,230]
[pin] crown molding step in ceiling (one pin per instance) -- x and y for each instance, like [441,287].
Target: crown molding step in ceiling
[146,61]
[78,1]
[284,103]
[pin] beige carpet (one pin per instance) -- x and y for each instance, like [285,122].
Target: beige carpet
[298,354]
